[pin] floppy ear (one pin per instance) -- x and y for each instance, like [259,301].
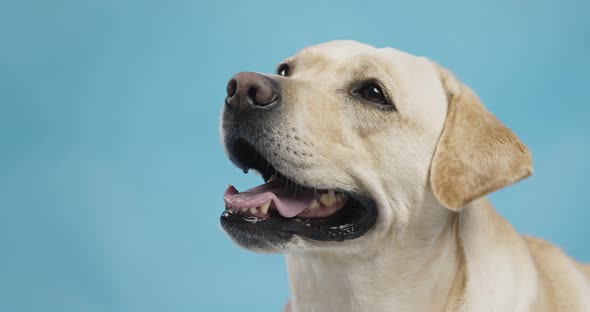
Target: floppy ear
[476,154]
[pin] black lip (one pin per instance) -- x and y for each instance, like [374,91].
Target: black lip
[355,219]
[245,156]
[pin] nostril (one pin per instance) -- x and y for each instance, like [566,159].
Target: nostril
[232,86]
[260,95]
[247,91]
[252,94]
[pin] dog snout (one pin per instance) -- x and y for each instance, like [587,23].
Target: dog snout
[250,91]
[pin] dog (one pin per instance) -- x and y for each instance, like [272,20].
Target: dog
[376,164]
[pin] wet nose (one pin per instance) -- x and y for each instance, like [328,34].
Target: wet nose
[248,91]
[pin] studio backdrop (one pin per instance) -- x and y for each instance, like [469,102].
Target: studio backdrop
[111,168]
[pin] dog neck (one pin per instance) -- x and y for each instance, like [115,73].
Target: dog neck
[390,274]
[425,270]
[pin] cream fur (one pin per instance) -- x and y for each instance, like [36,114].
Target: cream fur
[438,245]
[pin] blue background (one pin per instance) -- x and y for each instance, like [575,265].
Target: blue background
[111,171]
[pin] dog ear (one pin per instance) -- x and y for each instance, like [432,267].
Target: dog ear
[476,154]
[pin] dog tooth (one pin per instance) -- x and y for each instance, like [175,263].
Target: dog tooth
[332,197]
[325,199]
[314,204]
[244,209]
[253,210]
[264,207]
[272,178]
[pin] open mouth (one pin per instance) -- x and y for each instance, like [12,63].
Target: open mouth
[281,207]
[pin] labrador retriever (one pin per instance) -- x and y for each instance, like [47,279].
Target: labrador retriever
[375,165]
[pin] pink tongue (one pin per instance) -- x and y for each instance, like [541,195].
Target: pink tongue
[288,204]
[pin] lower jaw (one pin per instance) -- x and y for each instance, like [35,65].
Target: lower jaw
[355,219]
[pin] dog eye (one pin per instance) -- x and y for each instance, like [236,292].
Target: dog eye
[372,92]
[283,70]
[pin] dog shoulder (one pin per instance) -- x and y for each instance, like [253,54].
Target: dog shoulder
[585,268]
[564,284]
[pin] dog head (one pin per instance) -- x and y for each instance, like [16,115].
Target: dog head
[350,141]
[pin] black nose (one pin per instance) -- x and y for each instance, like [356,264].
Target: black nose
[247,91]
